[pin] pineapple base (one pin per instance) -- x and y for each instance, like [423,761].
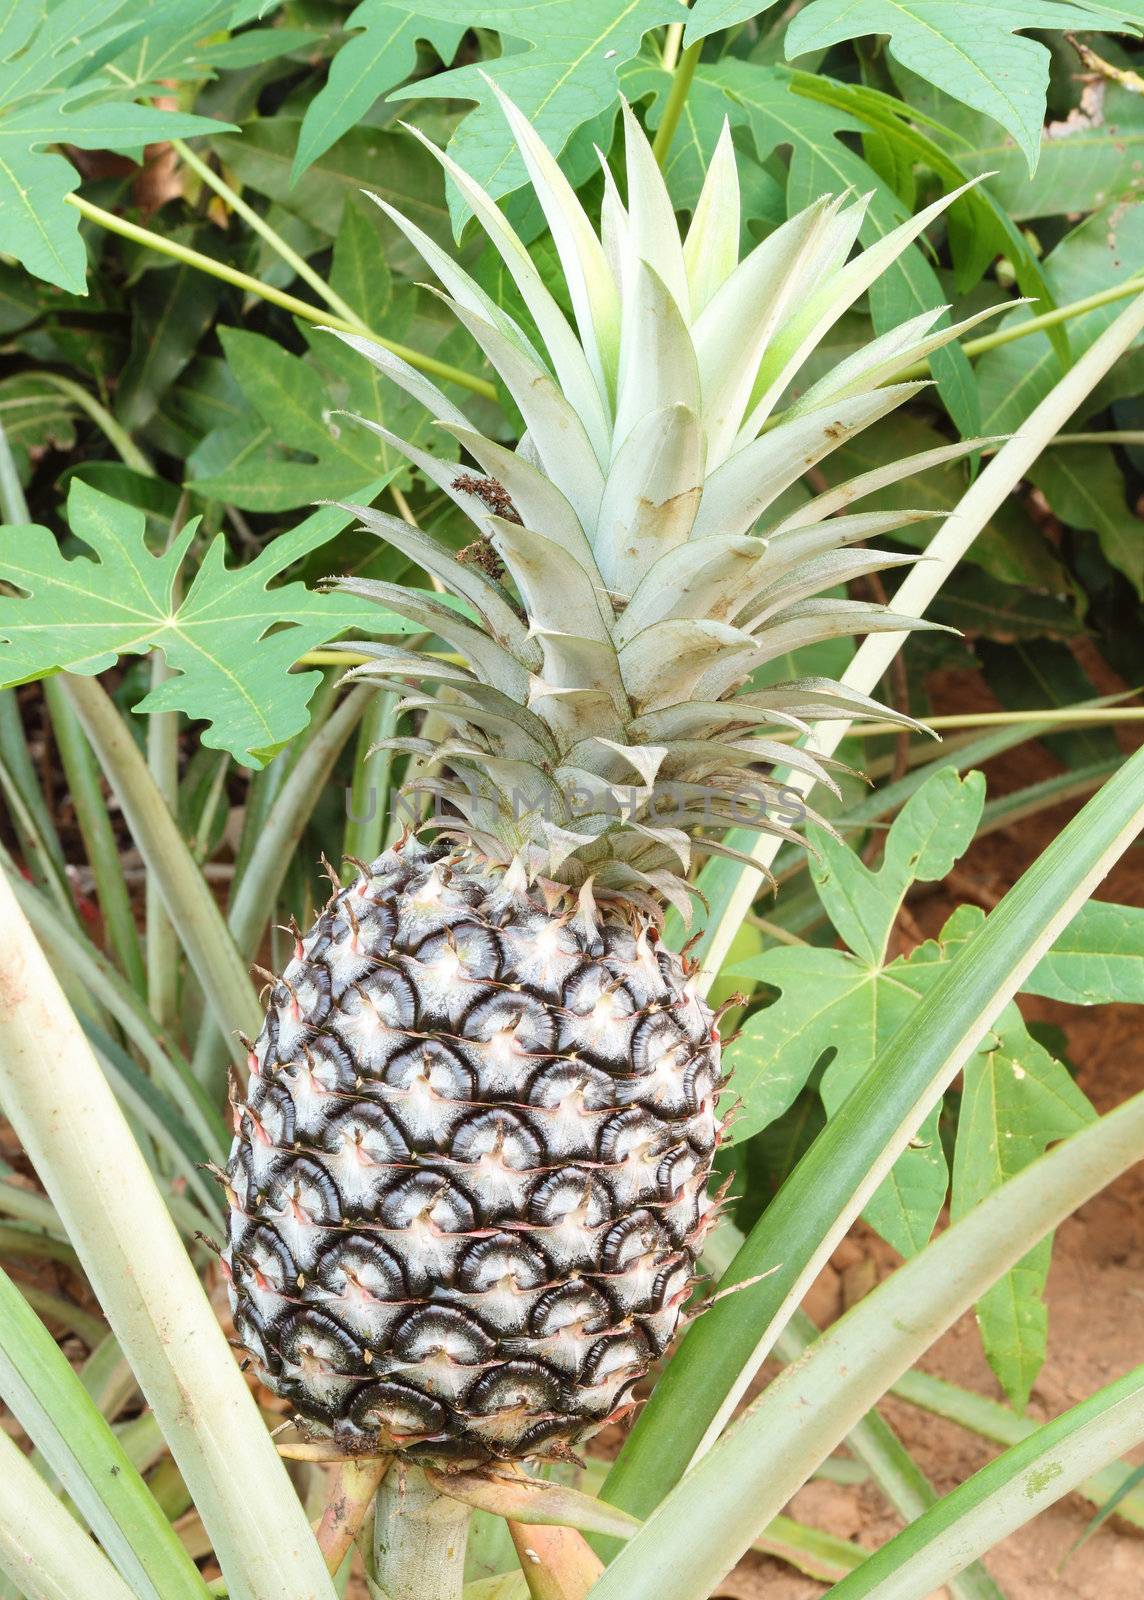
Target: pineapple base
[469,1179]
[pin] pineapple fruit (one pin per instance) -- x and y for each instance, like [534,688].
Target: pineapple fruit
[469,1182]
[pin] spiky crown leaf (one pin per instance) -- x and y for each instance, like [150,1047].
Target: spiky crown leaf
[637,582]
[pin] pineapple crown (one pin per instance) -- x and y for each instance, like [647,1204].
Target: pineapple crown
[609,707]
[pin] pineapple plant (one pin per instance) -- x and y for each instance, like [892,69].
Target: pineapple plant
[469,1183]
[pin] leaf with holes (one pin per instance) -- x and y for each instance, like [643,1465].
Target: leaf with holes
[181,43]
[1016,1100]
[294,446]
[933,828]
[846,1004]
[380,53]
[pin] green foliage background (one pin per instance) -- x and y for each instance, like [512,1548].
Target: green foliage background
[173,410]
[191,385]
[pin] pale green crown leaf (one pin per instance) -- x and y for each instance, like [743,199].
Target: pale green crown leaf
[599,708]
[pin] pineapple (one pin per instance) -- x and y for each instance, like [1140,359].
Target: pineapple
[469,1183]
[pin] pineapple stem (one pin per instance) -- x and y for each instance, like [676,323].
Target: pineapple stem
[419,1537]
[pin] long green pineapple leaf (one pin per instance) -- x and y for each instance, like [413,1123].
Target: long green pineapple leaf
[1007,1492]
[43,1549]
[51,1404]
[729,888]
[63,1112]
[760,1462]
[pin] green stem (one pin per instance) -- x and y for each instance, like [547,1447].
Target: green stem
[266,785]
[17,764]
[676,99]
[672,45]
[81,774]
[28,1205]
[70,1317]
[273,238]
[1008,809]
[43,1548]
[186,894]
[18,1240]
[199,837]
[255,898]
[163,765]
[1109,436]
[820,1555]
[77,959]
[55,887]
[162,943]
[108,1378]
[280,801]
[1038,324]
[419,1539]
[174,1155]
[277,297]
[261,792]
[369,796]
[39,841]
[117,436]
